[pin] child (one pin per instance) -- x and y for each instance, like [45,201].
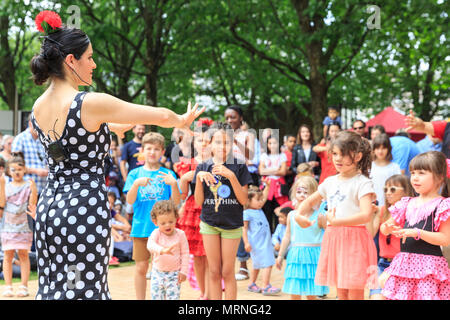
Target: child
[333,116]
[273,167]
[304,169]
[221,186]
[323,151]
[348,249]
[382,167]
[420,271]
[171,253]
[278,235]
[257,241]
[303,255]
[189,220]
[144,186]
[396,187]
[16,197]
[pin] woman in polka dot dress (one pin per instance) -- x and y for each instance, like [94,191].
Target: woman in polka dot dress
[72,217]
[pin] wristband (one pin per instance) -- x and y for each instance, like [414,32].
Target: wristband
[418,234]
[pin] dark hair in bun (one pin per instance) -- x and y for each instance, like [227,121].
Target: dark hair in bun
[54,49]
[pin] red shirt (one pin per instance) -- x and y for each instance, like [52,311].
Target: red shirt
[391,249]
[439,128]
[327,165]
[288,157]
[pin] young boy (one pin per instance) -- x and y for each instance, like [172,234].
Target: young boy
[333,115]
[278,235]
[146,185]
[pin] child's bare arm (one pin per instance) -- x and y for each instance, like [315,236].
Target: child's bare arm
[247,245]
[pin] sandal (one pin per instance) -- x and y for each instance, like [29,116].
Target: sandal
[270,291]
[23,291]
[240,276]
[254,288]
[8,292]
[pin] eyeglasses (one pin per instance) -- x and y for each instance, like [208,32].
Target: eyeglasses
[358,128]
[392,189]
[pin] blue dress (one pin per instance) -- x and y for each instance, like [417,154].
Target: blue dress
[260,239]
[302,259]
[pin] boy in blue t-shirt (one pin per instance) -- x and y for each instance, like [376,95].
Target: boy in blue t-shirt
[145,186]
[332,117]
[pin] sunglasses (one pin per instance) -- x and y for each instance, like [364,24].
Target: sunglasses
[388,239]
[358,128]
[392,189]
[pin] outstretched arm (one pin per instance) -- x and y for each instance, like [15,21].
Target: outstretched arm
[101,107]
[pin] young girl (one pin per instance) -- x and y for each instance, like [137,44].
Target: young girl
[348,250]
[396,187]
[17,195]
[420,271]
[221,188]
[170,250]
[258,241]
[273,167]
[189,220]
[382,166]
[323,151]
[303,255]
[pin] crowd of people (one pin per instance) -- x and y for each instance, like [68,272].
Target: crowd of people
[227,193]
[348,212]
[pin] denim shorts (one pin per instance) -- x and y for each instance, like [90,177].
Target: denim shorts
[383,263]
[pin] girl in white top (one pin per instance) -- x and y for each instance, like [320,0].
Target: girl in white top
[348,252]
[382,167]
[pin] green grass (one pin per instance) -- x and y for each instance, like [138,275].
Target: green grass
[34,274]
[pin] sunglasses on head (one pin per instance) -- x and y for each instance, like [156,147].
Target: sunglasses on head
[392,189]
[358,128]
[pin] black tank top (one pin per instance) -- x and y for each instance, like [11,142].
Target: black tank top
[412,245]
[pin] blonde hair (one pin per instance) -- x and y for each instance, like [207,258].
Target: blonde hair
[153,138]
[308,181]
[305,169]
[164,207]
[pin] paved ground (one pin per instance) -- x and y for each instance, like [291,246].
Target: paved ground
[121,285]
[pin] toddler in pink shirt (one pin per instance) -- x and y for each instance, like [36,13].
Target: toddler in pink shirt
[170,250]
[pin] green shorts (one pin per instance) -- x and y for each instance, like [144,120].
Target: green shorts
[226,234]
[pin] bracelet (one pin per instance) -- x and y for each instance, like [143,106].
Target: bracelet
[418,234]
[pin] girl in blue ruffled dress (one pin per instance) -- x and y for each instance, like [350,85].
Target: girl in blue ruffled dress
[304,252]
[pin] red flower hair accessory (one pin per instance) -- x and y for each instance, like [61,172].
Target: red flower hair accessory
[204,121]
[48,22]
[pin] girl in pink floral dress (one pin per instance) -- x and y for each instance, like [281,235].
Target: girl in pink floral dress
[420,271]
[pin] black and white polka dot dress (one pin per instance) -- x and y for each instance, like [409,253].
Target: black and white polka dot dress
[73,221]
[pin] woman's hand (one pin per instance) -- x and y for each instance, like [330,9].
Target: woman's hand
[190,115]
[412,122]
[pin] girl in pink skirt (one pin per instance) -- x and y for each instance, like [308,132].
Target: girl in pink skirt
[15,234]
[420,271]
[348,257]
